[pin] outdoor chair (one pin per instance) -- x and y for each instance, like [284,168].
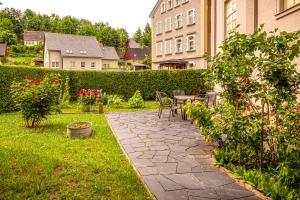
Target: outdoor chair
[165,103]
[210,98]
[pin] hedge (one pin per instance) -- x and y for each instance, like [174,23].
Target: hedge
[112,82]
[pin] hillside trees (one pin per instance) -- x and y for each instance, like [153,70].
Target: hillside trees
[13,23]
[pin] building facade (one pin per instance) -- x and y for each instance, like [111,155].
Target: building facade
[34,38]
[72,52]
[179,34]
[250,14]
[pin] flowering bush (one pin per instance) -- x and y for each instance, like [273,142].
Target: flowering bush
[35,98]
[87,97]
[136,101]
[256,125]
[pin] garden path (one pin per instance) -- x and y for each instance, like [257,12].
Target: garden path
[172,158]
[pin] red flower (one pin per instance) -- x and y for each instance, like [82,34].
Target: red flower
[21,89]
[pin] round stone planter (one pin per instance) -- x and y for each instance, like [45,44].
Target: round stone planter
[79,129]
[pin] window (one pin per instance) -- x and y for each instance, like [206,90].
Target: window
[168,24]
[69,51]
[178,45]
[230,15]
[178,23]
[105,66]
[168,47]
[159,48]
[170,4]
[163,7]
[191,45]
[55,64]
[191,64]
[93,65]
[184,1]
[191,17]
[82,65]
[159,28]
[82,52]
[73,65]
[177,3]
[290,3]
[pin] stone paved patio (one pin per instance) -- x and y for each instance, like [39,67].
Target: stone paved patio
[172,158]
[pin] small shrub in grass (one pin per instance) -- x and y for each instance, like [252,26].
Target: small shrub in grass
[136,101]
[115,100]
[36,98]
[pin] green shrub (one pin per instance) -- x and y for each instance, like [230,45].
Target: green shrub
[35,98]
[136,101]
[115,100]
[120,83]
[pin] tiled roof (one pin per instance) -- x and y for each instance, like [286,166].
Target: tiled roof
[110,53]
[34,36]
[73,45]
[3,47]
[138,53]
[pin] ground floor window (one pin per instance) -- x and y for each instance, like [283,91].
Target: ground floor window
[93,65]
[290,3]
[55,65]
[82,64]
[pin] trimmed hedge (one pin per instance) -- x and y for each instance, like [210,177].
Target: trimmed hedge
[112,82]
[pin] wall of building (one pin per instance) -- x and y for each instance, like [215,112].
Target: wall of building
[33,43]
[52,56]
[268,12]
[109,64]
[67,63]
[199,29]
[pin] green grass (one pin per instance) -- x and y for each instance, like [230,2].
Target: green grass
[43,163]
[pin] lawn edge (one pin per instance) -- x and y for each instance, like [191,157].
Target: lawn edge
[131,163]
[241,182]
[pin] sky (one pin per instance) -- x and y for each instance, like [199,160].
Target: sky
[128,14]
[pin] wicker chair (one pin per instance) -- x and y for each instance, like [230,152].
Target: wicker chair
[163,104]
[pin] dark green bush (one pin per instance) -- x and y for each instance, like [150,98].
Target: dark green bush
[119,83]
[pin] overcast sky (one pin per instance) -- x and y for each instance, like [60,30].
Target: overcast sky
[128,14]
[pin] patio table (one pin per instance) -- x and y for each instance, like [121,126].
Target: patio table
[184,98]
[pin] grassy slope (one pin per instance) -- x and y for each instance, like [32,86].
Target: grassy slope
[43,163]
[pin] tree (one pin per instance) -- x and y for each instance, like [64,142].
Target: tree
[8,37]
[86,28]
[138,35]
[147,36]
[123,36]
[147,61]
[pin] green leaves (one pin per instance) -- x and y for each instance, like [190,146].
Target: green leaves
[136,101]
[35,98]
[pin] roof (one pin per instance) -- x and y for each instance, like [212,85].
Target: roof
[133,44]
[139,65]
[34,36]
[120,54]
[154,9]
[138,53]
[3,47]
[73,45]
[110,53]
[174,61]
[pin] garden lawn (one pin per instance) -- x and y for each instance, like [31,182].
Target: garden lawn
[43,163]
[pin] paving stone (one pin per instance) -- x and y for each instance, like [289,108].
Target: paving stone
[166,168]
[145,171]
[172,158]
[228,194]
[188,181]
[206,194]
[167,184]
[160,159]
[214,179]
